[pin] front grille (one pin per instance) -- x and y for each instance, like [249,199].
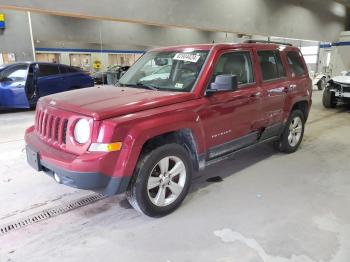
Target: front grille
[51,128]
[346,89]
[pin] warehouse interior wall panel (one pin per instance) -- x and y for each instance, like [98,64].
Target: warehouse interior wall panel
[325,19]
[13,40]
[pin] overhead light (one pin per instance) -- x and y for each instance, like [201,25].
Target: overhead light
[338,9]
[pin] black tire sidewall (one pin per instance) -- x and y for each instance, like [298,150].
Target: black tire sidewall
[284,143]
[328,99]
[144,169]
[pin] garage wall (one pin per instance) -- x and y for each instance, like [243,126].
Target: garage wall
[66,31]
[339,55]
[16,37]
[309,19]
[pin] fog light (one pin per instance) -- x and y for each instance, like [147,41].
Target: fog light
[101,147]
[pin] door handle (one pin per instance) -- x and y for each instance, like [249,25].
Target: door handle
[255,96]
[289,88]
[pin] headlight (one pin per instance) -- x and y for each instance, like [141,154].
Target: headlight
[82,131]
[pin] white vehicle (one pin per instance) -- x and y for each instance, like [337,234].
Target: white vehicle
[161,73]
[320,80]
[337,90]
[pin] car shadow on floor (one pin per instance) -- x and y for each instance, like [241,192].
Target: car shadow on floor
[217,172]
[16,110]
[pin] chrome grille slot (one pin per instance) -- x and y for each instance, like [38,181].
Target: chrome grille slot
[57,127]
[51,128]
[64,134]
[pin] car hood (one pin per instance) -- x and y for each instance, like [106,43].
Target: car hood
[110,101]
[341,79]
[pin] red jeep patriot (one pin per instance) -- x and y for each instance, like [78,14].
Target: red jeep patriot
[178,109]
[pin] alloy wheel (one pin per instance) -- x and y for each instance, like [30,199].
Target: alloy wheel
[166,181]
[295,131]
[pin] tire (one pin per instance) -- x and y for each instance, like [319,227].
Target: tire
[322,83]
[156,195]
[293,133]
[328,99]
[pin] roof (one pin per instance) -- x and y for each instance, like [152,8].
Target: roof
[30,63]
[222,46]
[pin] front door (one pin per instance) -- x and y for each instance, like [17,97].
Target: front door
[12,86]
[231,118]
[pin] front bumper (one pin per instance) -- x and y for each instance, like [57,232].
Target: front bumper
[341,94]
[88,171]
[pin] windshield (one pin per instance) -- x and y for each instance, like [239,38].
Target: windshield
[16,73]
[348,73]
[171,71]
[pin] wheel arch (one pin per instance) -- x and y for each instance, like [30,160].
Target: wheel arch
[184,137]
[303,106]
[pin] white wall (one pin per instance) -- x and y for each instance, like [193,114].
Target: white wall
[16,37]
[340,55]
[308,19]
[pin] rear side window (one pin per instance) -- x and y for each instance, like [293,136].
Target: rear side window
[271,65]
[235,63]
[48,70]
[295,63]
[68,69]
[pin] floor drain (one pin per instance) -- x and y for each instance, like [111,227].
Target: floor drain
[215,179]
[48,213]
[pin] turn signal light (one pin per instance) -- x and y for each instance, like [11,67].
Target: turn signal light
[100,147]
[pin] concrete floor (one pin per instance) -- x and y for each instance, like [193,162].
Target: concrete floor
[269,207]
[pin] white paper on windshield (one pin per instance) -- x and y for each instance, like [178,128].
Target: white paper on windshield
[186,57]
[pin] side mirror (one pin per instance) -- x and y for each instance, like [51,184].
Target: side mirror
[6,79]
[223,83]
[161,61]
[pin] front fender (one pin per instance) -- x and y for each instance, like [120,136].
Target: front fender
[136,134]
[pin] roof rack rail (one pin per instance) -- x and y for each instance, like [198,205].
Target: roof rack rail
[266,41]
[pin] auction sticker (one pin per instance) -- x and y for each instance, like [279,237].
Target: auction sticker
[186,57]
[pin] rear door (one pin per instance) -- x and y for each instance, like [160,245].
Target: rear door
[49,79]
[274,84]
[230,118]
[298,73]
[74,78]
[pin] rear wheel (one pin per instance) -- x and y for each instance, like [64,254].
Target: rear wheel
[328,99]
[293,133]
[161,180]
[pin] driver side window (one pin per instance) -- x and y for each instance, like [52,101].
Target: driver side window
[15,73]
[235,63]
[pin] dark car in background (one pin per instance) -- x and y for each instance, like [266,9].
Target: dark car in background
[110,76]
[22,84]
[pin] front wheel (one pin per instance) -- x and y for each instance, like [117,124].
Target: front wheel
[293,133]
[328,99]
[161,180]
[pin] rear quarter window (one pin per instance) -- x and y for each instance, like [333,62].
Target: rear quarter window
[68,69]
[271,65]
[295,63]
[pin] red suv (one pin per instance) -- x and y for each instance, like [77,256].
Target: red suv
[147,135]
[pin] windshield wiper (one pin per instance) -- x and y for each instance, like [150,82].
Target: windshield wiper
[138,85]
[142,85]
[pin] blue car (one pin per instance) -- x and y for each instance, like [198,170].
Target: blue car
[22,84]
